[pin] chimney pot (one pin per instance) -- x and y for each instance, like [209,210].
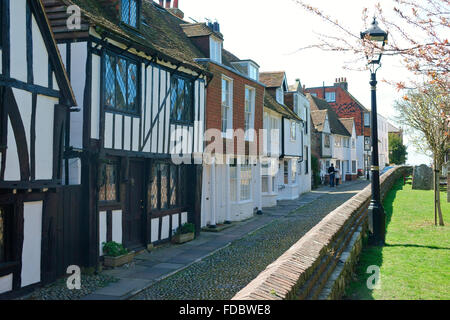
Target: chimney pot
[161,3]
[175,4]
[168,4]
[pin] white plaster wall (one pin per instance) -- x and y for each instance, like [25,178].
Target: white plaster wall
[117,226]
[40,57]
[44,137]
[74,171]
[175,222]
[31,251]
[155,229]
[108,130]
[12,170]
[165,228]
[78,80]
[95,97]
[102,230]
[184,217]
[6,283]
[18,47]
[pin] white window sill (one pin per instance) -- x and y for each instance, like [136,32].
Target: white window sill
[242,202]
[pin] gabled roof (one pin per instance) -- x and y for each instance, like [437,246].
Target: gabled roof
[159,34]
[60,71]
[360,105]
[319,118]
[199,30]
[348,123]
[336,126]
[271,103]
[272,79]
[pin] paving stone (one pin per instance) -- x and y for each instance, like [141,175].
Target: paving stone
[123,287]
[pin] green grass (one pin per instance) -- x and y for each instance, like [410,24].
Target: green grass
[415,263]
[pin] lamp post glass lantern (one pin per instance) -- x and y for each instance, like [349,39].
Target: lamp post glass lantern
[374,40]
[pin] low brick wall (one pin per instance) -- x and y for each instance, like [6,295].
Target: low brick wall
[320,264]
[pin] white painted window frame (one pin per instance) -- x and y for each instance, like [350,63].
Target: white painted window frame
[228,134]
[249,131]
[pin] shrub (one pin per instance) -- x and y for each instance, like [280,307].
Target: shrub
[114,249]
[186,228]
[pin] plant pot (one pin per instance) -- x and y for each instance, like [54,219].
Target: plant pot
[182,238]
[119,261]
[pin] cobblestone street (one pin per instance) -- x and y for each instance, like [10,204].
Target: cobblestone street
[222,274]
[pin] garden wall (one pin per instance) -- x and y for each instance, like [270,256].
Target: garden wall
[320,264]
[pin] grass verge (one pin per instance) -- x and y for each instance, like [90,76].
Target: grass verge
[415,263]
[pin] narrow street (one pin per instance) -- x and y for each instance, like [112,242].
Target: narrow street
[225,272]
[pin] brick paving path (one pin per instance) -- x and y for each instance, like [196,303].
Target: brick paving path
[218,265]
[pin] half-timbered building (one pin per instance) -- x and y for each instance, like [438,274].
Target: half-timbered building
[141,121]
[35,99]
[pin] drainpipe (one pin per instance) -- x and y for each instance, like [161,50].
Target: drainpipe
[259,190]
[213,194]
[227,194]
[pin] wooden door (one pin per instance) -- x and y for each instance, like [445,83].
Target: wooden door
[133,217]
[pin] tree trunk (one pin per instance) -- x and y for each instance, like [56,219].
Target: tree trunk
[435,192]
[438,194]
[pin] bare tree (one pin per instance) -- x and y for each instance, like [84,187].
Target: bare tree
[424,110]
[418,33]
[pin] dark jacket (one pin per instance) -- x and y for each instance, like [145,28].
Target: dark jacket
[331,170]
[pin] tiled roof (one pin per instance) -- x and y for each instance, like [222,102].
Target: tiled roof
[348,123]
[336,126]
[271,103]
[318,118]
[159,34]
[272,79]
[199,30]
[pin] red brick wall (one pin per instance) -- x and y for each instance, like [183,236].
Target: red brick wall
[345,107]
[214,102]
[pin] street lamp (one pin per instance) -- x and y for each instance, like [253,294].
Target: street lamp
[374,41]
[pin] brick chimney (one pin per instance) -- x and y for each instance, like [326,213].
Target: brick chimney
[174,9]
[341,82]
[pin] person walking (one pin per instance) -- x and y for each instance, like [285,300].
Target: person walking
[338,176]
[331,172]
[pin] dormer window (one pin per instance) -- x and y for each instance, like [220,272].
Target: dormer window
[280,96]
[253,72]
[215,50]
[129,12]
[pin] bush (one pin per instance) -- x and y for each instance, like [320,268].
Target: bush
[186,228]
[114,249]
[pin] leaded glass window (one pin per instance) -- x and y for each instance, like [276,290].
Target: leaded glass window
[167,187]
[129,12]
[181,100]
[108,182]
[121,83]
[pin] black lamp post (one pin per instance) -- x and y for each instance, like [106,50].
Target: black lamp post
[375,40]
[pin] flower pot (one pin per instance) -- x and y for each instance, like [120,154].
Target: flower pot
[182,238]
[118,261]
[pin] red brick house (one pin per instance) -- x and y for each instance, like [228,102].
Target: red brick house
[347,106]
[234,117]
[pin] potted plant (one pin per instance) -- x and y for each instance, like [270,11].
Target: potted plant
[185,233]
[115,255]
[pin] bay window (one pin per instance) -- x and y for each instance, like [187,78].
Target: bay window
[293,131]
[181,100]
[121,83]
[286,172]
